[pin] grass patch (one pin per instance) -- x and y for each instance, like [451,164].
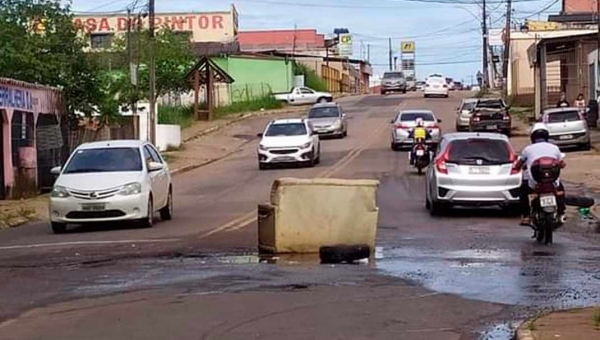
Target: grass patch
[176,115]
[267,102]
[597,319]
[171,148]
[311,78]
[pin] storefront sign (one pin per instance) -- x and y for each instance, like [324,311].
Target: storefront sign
[345,45]
[407,47]
[15,98]
[176,22]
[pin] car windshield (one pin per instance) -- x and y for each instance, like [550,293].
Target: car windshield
[563,116]
[491,104]
[105,160]
[290,129]
[412,116]
[392,75]
[480,151]
[468,106]
[324,112]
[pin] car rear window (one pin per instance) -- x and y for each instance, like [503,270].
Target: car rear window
[491,104]
[479,151]
[564,116]
[412,116]
[468,106]
[436,80]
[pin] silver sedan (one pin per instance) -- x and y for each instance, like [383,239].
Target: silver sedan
[405,121]
[473,169]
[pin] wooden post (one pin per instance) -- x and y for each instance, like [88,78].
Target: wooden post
[209,88]
[196,93]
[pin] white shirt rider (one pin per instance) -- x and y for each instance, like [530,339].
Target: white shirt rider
[533,152]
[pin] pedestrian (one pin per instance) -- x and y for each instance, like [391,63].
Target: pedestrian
[563,101]
[580,104]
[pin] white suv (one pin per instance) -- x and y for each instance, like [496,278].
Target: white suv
[289,141]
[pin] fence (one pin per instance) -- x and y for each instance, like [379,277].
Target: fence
[90,132]
[332,78]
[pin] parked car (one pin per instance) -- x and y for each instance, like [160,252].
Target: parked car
[393,82]
[475,88]
[411,85]
[111,181]
[450,83]
[420,85]
[436,85]
[463,115]
[303,95]
[458,86]
[328,120]
[567,127]
[491,114]
[289,141]
[406,120]
[473,169]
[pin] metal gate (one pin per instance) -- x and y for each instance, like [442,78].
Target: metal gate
[49,142]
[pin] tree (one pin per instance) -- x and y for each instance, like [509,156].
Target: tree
[39,43]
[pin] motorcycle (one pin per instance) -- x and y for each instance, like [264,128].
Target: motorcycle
[422,156]
[544,199]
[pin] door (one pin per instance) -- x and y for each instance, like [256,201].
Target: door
[307,96]
[154,180]
[162,177]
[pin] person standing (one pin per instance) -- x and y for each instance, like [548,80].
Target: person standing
[580,104]
[563,101]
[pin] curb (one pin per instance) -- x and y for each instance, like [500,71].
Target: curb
[523,334]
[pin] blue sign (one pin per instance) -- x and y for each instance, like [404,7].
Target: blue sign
[16,98]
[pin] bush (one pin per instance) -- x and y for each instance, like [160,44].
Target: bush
[267,102]
[311,78]
[176,115]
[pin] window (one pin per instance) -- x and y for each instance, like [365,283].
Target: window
[412,116]
[101,40]
[306,91]
[153,154]
[291,129]
[478,151]
[491,104]
[105,160]
[147,156]
[22,133]
[324,112]
[563,117]
[468,106]
[388,75]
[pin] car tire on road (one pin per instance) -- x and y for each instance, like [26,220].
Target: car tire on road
[58,228]
[166,213]
[322,100]
[436,209]
[506,132]
[262,166]
[395,147]
[403,91]
[148,221]
[586,147]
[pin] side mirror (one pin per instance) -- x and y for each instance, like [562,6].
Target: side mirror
[392,121]
[259,135]
[154,166]
[56,170]
[343,115]
[439,120]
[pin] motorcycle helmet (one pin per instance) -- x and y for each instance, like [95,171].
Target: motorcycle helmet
[539,132]
[419,121]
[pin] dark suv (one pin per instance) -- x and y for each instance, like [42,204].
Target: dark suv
[491,115]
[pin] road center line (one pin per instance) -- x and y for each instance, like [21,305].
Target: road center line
[77,243]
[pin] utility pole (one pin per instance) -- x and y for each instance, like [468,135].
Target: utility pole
[596,93]
[507,48]
[390,54]
[132,79]
[485,49]
[369,52]
[152,67]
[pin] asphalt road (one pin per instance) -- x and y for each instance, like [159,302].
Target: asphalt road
[470,273]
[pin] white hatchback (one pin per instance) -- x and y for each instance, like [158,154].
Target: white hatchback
[436,85]
[289,141]
[111,181]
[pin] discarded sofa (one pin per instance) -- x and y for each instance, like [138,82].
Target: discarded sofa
[306,214]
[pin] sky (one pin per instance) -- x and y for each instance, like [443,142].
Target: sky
[447,33]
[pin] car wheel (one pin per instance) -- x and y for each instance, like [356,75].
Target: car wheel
[313,160]
[587,146]
[395,147]
[425,96]
[166,213]
[58,228]
[148,221]
[262,166]
[322,100]
[446,96]
[506,132]
[436,208]
[403,91]
[345,134]
[318,159]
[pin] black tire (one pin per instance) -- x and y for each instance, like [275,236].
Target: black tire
[446,96]
[322,100]
[586,147]
[344,253]
[395,147]
[345,134]
[383,93]
[425,96]
[579,201]
[148,221]
[318,159]
[313,160]
[166,213]
[549,230]
[436,209]
[403,91]
[506,132]
[58,228]
[419,170]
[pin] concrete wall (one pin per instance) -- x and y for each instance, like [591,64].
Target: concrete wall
[168,135]
[256,76]
[17,96]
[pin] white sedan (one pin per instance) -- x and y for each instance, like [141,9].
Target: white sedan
[436,86]
[289,141]
[111,181]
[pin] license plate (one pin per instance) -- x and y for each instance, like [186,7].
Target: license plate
[548,201]
[420,152]
[93,207]
[479,170]
[491,127]
[566,137]
[285,159]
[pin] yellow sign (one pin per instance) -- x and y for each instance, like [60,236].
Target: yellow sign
[346,39]
[407,47]
[534,25]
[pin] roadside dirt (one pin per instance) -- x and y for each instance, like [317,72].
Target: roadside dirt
[577,324]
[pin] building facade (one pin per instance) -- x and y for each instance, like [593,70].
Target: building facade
[219,26]
[30,138]
[299,40]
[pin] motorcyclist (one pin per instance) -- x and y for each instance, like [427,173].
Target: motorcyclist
[418,133]
[540,148]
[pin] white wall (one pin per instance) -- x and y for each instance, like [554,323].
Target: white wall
[168,135]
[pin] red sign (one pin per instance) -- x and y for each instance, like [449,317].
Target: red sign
[175,22]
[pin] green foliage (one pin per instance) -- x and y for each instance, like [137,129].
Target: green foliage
[267,102]
[177,115]
[50,54]
[311,78]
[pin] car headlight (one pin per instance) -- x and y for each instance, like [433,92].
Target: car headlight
[337,124]
[306,146]
[262,147]
[131,189]
[59,192]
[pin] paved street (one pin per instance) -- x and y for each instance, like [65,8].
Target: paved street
[470,274]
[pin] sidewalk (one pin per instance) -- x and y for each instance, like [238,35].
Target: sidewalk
[576,324]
